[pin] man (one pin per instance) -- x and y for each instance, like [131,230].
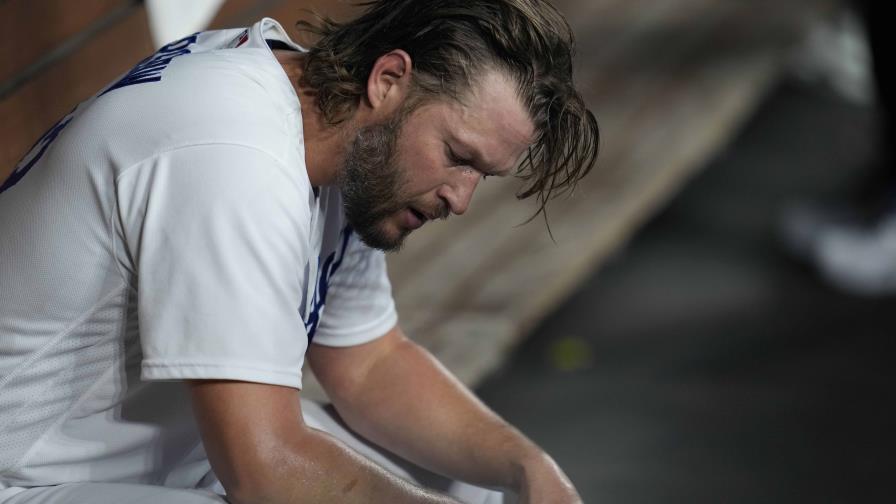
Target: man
[175,246]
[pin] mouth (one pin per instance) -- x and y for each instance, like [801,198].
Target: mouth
[415,218]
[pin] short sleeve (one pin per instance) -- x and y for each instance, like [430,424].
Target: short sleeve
[359,304]
[218,236]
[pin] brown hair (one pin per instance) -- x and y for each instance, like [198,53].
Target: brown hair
[450,42]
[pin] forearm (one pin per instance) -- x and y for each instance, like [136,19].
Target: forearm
[277,459]
[323,470]
[413,406]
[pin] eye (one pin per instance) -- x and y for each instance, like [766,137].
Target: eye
[454,158]
[457,160]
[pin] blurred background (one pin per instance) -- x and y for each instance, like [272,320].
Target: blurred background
[710,318]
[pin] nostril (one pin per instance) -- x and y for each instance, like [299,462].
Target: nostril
[445,208]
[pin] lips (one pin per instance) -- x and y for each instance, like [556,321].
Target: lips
[414,218]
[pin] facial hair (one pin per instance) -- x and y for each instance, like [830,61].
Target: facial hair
[371,184]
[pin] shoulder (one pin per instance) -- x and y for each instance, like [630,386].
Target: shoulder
[220,96]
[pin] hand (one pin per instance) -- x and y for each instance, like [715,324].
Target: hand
[543,482]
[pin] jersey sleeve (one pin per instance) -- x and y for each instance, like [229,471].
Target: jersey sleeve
[359,305]
[218,238]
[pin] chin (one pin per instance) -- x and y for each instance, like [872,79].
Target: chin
[383,235]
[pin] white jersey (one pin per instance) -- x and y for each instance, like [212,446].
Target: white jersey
[166,229]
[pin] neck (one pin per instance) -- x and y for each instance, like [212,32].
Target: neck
[325,145]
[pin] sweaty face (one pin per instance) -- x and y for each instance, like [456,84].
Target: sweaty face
[426,163]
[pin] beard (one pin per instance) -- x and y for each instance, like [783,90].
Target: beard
[371,184]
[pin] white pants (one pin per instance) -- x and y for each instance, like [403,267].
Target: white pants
[322,418]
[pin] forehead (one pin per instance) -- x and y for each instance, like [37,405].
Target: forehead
[490,122]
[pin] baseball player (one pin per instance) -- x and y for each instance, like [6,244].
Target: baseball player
[177,246]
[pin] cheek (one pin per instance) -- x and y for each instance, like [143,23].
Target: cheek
[422,170]
[420,158]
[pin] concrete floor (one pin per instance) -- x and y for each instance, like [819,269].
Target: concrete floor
[702,365]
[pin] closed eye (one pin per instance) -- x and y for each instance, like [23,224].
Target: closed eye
[457,160]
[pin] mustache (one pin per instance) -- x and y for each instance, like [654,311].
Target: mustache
[440,212]
[443,211]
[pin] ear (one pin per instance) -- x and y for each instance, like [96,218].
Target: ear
[389,82]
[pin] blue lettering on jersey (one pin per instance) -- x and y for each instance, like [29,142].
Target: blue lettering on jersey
[150,69]
[325,273]
[35,152]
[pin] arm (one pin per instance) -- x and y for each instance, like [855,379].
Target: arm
[262,452]
[396,394]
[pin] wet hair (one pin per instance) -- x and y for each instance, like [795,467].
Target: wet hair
[451,43]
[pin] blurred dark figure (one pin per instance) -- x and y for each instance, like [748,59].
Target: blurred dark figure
[875,19]
[853,245]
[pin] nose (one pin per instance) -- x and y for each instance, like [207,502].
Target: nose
[459,191]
